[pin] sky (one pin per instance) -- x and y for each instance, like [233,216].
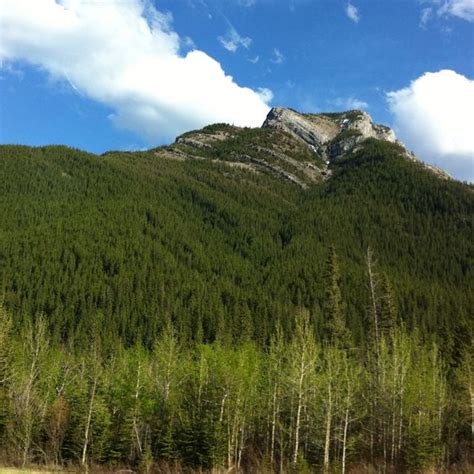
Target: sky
[131,74]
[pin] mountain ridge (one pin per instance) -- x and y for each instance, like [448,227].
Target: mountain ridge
[300,148]
[217,228]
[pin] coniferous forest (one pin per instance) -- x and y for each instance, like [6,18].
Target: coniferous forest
[164,315]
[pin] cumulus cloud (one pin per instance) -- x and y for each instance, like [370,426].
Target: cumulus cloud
[265,94]
[125,54]
[232,40]
[434,117]
[353,12]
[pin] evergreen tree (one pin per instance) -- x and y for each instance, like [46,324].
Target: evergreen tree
[388,306]
[336,331]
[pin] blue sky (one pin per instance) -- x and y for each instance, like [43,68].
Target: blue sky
[130,74]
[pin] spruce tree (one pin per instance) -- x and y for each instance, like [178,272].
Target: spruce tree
[336,332]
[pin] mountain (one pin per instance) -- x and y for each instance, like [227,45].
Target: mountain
[229,220]
[292,298]
[297,147]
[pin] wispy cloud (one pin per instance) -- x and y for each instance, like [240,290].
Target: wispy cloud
[232,40]
[247,3]
[425,16]
[349,103]
[353,12]
[125,55]
[462,9]
[459,8]
[278,56]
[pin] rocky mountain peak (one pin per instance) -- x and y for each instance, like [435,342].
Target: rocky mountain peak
[315,130]
[300,148]
[329,134]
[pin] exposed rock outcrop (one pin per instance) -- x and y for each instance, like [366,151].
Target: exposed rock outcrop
[299,148]
[315,130]
[329,135]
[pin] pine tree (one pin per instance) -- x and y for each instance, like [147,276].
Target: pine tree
[336,332]
[388,307]
[374,303]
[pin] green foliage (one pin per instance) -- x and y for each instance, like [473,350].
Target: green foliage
[345,134]
[201,314]
[141,240]
[350,115]
[210,406]
[336,331]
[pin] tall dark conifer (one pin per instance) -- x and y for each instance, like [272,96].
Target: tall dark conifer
[335,329]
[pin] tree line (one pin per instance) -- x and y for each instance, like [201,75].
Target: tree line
[307,400]
[159,314]
[137,239]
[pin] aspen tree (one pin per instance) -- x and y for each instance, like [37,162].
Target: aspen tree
[5,364]
[168,375]
[57,379]
[351,381]
[400,367]
[133,382]
[335,385]
[276,360]
[302,368]
[166,362]
[426,397]
[24,388]
[465,379]
[5,342]
[92,372]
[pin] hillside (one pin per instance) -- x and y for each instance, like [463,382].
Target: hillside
[293,298]
[229,221]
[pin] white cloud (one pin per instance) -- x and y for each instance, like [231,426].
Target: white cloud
[434,117]
[459,8]
[232,40]
[265,94]
[278,57]
[425,16]
[124,54]
[353,12]
[463,9]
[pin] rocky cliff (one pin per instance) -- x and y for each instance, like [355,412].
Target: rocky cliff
[329,135]
[300,148]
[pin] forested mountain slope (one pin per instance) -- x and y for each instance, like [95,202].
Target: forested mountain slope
[199,235]
[295,298]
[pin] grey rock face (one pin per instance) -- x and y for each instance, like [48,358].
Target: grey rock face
[365,125]
[318,130]
[303,154]
[335,134]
